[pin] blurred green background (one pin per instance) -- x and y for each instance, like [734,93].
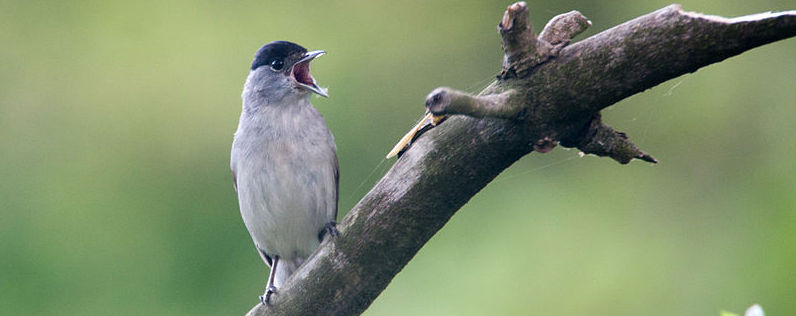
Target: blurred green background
[116,119]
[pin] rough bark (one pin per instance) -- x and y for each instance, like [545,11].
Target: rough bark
[548,93]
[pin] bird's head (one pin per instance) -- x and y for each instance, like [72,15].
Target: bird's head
[281,69]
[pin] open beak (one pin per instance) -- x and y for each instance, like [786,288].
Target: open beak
[301,72]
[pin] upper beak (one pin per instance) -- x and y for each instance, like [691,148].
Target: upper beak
[301,72]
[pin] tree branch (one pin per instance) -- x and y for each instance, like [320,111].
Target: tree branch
[448,101]
[548,92]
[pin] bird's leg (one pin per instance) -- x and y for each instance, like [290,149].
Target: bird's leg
[269,287]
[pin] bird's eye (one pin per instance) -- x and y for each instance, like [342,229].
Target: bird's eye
[277,64]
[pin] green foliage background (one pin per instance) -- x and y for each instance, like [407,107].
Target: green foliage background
[116,119]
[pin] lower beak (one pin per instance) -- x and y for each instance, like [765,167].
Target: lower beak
[301,72]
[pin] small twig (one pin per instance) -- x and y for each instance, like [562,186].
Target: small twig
[564,27]
[602,140]
[447,101]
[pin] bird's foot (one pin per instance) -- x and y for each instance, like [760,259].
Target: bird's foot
[266,297]
[329,229]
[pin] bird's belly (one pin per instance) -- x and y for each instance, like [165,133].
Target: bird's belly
[288,202]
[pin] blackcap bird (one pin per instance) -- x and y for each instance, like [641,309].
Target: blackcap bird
[283,161]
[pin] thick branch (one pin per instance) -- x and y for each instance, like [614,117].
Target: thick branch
[642,53]
[452,162]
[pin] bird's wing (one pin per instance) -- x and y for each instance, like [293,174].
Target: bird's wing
[235,181]
[265,256]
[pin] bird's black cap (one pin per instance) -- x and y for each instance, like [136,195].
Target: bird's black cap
[276,50]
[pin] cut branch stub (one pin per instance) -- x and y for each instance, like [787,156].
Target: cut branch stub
[523,50]
[519,41]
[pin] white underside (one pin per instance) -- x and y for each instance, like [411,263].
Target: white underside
[284,162]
